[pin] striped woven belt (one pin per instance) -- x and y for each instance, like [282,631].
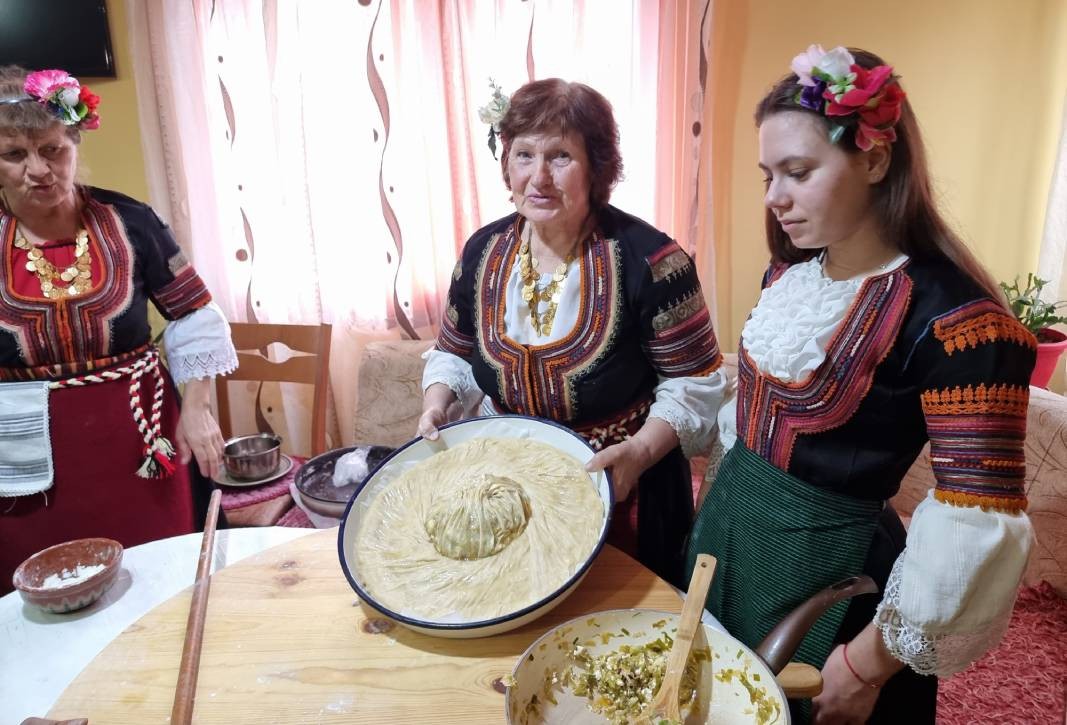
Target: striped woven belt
[617,428]
[158,452]
[614,429]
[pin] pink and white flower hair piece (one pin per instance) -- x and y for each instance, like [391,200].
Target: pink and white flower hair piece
[70,102]
[833,84]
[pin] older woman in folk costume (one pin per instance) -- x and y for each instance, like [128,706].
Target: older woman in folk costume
[92,442]
[876,331]
[572,310]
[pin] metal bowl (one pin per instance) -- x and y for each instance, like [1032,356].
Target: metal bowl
[250,458]
[453,434]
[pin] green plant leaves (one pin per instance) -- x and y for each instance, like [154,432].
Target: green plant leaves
[1028,307]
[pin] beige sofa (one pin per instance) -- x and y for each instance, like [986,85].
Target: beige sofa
[389,403]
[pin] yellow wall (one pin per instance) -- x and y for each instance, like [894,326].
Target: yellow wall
[111,156]
[987,81]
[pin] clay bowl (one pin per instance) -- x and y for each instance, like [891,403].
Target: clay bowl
[49,579]
[453,434]
[252,457]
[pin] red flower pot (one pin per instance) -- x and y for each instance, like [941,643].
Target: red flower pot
[1048,354]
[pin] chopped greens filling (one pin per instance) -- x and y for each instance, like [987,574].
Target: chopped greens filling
[621,683]
[767,707]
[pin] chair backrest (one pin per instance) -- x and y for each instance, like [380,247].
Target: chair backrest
[251,341]
[389,391]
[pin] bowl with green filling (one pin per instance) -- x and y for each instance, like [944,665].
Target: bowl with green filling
[606,667]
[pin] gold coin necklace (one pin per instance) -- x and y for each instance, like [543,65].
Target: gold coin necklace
[70,281]
[550,294]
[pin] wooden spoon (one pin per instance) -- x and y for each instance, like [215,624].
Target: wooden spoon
[664,705]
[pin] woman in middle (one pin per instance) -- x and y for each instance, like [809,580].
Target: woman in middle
[569,309]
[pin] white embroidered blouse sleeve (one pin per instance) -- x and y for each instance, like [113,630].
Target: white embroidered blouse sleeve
[198,345]
[950,594]
[690,405]
[453,371]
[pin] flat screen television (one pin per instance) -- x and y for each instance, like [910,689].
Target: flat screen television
[68,34]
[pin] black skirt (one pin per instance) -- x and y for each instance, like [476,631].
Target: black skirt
[907,697]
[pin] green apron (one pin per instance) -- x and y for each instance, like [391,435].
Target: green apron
[778,540]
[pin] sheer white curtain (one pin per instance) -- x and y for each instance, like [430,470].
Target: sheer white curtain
[324,161]
[1052,262]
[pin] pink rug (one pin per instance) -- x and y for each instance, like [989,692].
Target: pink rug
[1024,680]
[295,518]
[238,497]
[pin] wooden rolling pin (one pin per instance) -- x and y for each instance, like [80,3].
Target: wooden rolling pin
[185,692]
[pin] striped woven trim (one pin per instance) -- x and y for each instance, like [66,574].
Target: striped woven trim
[980,323]
[993,400]
[986,503]
[451,340]
[66,370]
[25,440]
[688,348]
[539,379]
[21,471]
[668,261]
[979,459]
[618,427]
[48,331]
[18,426]
[185,293]
[778,412]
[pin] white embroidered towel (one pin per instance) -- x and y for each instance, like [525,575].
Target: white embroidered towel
[25,443]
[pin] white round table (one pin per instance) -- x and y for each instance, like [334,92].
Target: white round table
[41,653]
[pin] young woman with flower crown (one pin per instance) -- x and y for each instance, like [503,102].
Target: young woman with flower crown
[876,332]
[89,411]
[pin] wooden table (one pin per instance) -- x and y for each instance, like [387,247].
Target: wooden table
[287,641]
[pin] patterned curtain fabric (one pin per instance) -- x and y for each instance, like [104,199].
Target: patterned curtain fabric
[325,161]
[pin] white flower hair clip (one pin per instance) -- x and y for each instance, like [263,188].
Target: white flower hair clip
[493,113]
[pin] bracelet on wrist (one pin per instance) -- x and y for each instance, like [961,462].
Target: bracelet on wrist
[852,669]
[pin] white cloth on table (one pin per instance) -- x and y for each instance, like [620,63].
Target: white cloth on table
[42,652]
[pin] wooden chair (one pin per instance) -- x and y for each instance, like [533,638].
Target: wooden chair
[251,341]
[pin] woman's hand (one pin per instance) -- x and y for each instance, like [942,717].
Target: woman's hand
[198,433]
[439,406]
[845,699]
[629,459]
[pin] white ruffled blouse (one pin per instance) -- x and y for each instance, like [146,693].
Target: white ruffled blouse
[687,404]
[951,591]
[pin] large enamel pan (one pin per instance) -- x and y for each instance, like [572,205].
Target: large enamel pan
[453,434]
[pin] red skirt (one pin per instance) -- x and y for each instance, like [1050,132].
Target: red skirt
[96,451]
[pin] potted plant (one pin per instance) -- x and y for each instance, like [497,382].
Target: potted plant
[1038,317]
